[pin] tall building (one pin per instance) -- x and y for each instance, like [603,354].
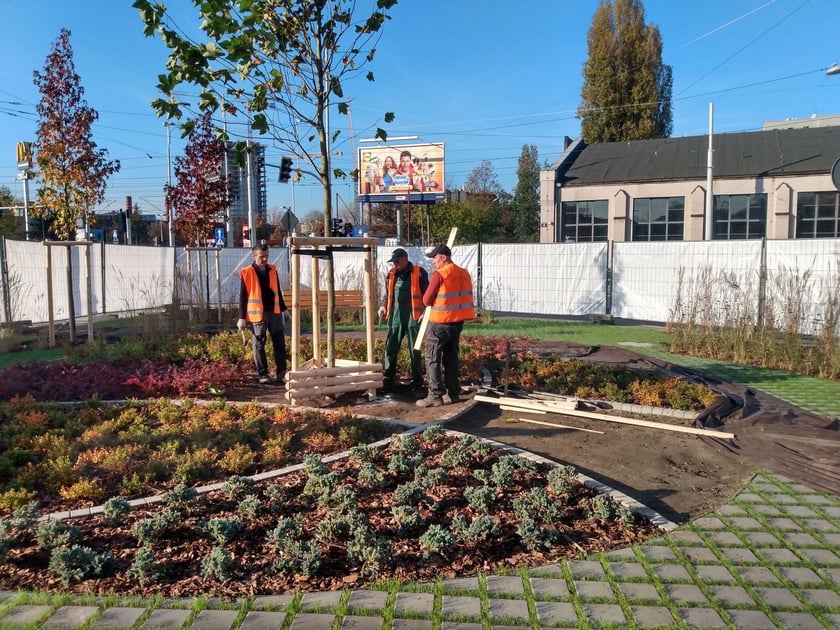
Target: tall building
[237,168]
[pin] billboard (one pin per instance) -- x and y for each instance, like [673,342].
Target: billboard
[401,172]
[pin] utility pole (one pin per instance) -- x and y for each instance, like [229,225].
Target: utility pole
[169,218]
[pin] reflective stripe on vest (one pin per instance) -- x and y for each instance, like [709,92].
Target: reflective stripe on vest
[417,307]
[254,309]
[454,301]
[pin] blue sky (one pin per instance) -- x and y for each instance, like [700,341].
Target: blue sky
[483,78]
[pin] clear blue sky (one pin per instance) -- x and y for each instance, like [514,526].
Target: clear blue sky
[483,78]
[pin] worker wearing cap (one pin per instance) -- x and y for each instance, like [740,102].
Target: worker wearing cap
[403,310]
[261,307]
[450,295]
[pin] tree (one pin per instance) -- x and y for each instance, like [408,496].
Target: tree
[200,194]
[73,171]
[11,225]
[526,197]
[282,63]
[482,179]
[626,92]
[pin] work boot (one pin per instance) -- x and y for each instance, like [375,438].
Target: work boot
[263,379]
[388,385]
[451,399]
[417,388]
[430,401]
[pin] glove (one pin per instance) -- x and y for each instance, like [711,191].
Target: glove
[241,324]
[381,312]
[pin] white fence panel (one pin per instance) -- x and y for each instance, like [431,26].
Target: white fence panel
[803,282]
[556,279]
[648,277]
[136,278]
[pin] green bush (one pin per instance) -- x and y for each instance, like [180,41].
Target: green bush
[76,563]
[217,564]
[145,568]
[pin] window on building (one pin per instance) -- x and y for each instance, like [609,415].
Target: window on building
[818,215]
[740,217]
[584,221]
[658,219]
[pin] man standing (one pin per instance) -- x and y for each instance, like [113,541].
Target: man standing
[450,294]
[261,306]
[402,310]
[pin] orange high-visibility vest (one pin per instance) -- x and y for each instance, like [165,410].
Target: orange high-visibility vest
[254,311]
[454,301]
[416,295]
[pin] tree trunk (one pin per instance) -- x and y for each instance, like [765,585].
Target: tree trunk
[71,307]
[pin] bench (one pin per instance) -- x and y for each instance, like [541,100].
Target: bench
[349,299]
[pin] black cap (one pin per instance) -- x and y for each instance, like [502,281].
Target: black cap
[440,249]
[398,253]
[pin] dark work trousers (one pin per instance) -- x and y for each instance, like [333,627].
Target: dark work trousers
[272,324]
[442,343]
[401,325]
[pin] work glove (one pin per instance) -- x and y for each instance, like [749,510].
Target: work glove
[381,312]
[241,324]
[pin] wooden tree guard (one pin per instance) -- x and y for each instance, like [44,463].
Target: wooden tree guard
[314,377]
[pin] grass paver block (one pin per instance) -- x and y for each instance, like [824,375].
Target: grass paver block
[209,619]
[70,617]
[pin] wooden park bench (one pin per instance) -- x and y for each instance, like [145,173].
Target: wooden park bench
[347,299]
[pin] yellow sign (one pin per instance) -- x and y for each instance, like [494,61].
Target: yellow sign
[24,154]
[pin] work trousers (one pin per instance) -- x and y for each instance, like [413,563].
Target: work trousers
[399,328]
[272,324]
[442,344]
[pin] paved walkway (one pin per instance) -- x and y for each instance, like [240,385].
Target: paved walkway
[767,559]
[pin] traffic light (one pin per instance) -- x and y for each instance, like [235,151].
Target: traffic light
[285,170]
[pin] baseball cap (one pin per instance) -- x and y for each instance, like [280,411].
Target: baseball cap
[398,253]
[440,249]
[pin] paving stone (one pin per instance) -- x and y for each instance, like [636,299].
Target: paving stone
[117,618]
[767,510]
[822,597]
[832,511]
[731,509]
[751,620]
[802,539]
[274,602]
[725,539]
[750,497]
[209,619]
[594,590]
[165,619]
[784,499]
[549,570]
[423,603]
[785,524]
[800,511]
[312,621]
[356,622]
[639,592]
[461,584]
[762,539]
[513,609]
[709,523]
[699,554]
[834,620]
[652,616]
[832,539]
[780,556]
[746,523]
[702,618]
[659,554]
[411,624]
[757,575]
[326,600]
[460,625]
[714,573]
[546,587]
[625,570]
[800,575]
[626,553]
[833,575]
[553,613]
[684,537]
[261,620]
[602,614]
[777,597]
[70,617]
[586,570]
[821,557]
[24,615]
[672,573]
[816,499]
[821,525]
[454,606]
[367,600]
[504,585]
[739,555]
[798,620]
[685,594]
[731,595]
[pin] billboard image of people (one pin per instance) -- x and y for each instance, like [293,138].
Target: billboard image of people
[397,170]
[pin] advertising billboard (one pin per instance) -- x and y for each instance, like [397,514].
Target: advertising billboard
[401,172]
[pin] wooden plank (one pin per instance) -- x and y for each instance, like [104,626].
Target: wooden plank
[520,410]
[618,419]
[551,406]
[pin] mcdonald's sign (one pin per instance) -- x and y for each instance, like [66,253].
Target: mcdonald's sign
[24,155]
